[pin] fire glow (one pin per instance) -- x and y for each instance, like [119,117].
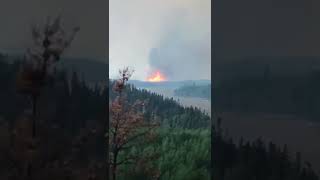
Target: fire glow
[156,77]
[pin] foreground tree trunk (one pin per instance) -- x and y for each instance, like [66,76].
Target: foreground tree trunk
[34,112]
[33,135]
[107,150]
[47,47]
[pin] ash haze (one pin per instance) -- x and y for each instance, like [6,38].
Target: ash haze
[17,16]
[266,28]
[170,36]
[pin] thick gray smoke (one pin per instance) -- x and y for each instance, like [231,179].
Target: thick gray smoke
[172,36]
[181,53]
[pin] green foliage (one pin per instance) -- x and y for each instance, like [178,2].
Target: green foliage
[182,155]
[298,95]
[70,127]
[166,110]
[255,160]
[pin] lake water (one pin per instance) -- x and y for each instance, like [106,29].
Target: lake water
[203,104]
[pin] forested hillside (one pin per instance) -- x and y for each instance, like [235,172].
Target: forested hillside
[70,122]
[69,111]
[203,91]
[169,144]
[166,110]
[261,160]
[298,95]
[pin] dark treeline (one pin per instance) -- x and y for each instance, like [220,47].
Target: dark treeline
[203,91]
[67,96]
[166,110]
[70,137]
[297,95]
[70,123]
[255,160]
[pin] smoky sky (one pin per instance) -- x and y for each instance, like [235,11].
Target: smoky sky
[170,36]
[17,16]
[265,28]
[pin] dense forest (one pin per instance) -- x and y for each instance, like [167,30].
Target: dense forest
[166,110]
[285,85]
[179,146]
[70,128]
[293,95]
[77,112]
[181,154]
[69,111]
[203,91]
[181,150]
[178,152]
[255,160]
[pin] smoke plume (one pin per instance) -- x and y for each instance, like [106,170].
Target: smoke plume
[172,36]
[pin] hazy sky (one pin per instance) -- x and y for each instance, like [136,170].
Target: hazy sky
[266,28]
[172,36]
[16,17]
[176,31]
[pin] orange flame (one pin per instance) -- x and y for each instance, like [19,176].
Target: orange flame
[156,77]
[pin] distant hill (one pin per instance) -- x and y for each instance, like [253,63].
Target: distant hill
[269,84]
[255,67]
[167,110]
[92,70]
[168,84]
[201,91]
[95,71]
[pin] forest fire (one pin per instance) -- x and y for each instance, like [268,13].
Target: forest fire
[156,77]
